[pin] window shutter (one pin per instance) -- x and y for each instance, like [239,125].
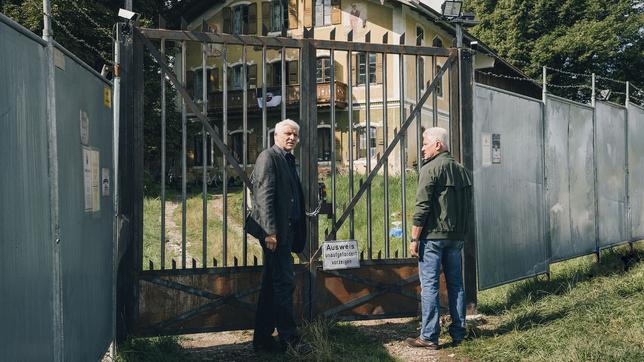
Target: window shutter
[213,79]
[292,72]
[226,13]
[379,68]
[252,76]
[190,83]
[354,69]
[252,147]
[308,13]
[379,139]
[292,14]
[252,19]
[266,17]
[336,12]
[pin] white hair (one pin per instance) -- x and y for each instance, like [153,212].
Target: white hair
[437,134]
[286,123]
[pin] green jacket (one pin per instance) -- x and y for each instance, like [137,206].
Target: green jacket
[443,199]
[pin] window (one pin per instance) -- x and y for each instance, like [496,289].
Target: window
[212,81]
[274,73]
[439,82]
[237,145]
[437,42]
[235,76]
[362,68]
[324,142]
[421,72]
[420,36]
[323,70]
[322,12]
[198,160]
[241,19]
[277,15]
[362,145]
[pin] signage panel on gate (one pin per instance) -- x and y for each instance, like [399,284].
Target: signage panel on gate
[340,254]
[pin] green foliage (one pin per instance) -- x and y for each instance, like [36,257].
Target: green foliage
[581,36]
[155,349]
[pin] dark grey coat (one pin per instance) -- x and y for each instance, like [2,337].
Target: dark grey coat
[273,200]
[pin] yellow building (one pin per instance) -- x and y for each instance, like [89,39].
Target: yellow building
[361,18]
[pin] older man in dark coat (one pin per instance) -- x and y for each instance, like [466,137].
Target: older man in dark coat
[278,208]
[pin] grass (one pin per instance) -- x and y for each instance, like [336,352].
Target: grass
[586,312]
[194,207]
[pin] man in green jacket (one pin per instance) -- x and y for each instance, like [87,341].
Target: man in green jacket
[443,204]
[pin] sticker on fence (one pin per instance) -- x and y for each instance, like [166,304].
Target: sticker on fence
[91,179]
[496,148]
[340,254]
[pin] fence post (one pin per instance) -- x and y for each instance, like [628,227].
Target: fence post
[461,79]
[308,151]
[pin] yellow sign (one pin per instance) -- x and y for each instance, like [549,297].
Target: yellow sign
[107,97]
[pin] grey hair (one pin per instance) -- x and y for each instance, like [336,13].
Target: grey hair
[437,134]
[286,123]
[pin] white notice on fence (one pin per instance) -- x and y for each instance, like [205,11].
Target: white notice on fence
[87,178]
[340,254]
[486,151]
[91,179]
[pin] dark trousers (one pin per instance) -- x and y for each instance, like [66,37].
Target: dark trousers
[275,305]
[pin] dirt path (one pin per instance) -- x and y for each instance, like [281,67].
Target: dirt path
[173,234]
[390,333]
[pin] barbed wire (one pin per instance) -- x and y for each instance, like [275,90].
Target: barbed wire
[568,86]
[90,19]
[100,53]
[509,77]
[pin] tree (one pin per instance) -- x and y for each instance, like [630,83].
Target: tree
[85,28]
[577,36]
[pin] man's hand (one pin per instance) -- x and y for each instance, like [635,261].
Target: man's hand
[271,242]
[413,248]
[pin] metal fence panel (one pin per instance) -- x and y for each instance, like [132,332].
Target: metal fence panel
[570,178]
[86,235]
[25,238]
[610,147]
[508,187]
[636,169]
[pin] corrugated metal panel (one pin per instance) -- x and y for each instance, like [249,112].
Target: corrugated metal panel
[25,237]
[86,236]
[610,123]
[570,178]
[509,195]
[636,169]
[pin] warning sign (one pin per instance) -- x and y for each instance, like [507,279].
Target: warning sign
[340,254]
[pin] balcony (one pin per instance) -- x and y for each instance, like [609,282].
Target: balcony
[235,97]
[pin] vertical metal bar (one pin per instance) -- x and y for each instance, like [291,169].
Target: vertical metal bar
[224,135]
[385,136]
[403,146]
[333,156]
[283,83]
[52,143]
[595,174]
[184,121]
[116,81]
[368,155]
[264,133]
[245,146]
[434,97]
[418,115]
[163,158]
[350,100]
[627,204]
[204,156]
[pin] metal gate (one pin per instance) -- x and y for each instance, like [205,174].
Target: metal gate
[216,289]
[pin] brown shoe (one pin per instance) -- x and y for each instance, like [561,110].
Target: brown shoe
[421,343]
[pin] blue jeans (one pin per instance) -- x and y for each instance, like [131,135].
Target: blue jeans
[433,253]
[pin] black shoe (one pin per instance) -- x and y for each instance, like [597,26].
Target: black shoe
[266,345]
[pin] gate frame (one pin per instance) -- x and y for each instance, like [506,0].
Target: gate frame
[131,208]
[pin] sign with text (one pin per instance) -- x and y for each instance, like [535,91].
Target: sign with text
[340,254]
